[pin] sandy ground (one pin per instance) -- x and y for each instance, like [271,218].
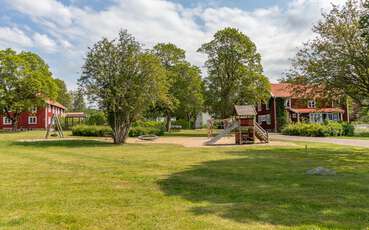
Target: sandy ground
[200,142]
[184,141]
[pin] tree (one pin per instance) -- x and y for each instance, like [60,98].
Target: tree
[170,56]
[123,80]
[189,91]
[64,97]
[336,61]
[25,82]
[235,74]
[78,103]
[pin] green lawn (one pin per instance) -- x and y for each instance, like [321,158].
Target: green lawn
[86,184]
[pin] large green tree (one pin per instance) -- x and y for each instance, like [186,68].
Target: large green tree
[25,82]
[336,61]
[189,91]
[235,74]
[184,84]
[123,79]
[64,97]
[78,103]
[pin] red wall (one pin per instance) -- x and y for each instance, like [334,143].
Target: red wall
[42,115]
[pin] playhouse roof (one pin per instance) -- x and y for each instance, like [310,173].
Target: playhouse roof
[245,110]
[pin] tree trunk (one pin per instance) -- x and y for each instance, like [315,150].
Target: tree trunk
[120,134]
[14,125]
[168,122]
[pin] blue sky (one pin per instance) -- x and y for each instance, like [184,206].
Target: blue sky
[61,31]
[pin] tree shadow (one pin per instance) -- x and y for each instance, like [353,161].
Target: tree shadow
[63,143]
[270,186]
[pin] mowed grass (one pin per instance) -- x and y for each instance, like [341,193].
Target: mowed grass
[87,184]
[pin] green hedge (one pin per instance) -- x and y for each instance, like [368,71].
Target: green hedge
[91,131]
[319,130]
[102,131]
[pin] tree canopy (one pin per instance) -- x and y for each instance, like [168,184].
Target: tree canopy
[185,98]
[123,79]
[336,61]
[25,81]
[64,97]
[235,74]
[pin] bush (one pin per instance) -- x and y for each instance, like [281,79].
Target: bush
[91,131]
[185,124]
[348,129]
[96,118]
[318,130]
[154,128]
[138,131]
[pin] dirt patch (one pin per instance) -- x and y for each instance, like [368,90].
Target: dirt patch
[200,142]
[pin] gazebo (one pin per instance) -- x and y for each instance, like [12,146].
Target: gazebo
[74,118]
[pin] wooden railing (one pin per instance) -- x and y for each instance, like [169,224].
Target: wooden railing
[262,132]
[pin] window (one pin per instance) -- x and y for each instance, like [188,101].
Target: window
[268,119]
[34,109]
[259,106]
[267,105]
[316,117]
[7,121]
[311,104]
[287,102]
[32,120]
[49,108]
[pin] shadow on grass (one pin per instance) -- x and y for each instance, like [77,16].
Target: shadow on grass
[270,186]
[64,143]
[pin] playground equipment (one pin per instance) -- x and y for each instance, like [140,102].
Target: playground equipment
[247,130]
[54,126]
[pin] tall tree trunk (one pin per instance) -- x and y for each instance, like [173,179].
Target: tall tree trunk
[120,125]
[14,125]
[168,122]
[120,134]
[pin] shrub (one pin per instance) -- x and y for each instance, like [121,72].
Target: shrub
[102,131]
[96,118]
[318,130]
[348,129]
[138,131]
[185,124]
[91,131]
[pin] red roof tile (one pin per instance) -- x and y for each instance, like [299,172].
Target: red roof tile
[281,90]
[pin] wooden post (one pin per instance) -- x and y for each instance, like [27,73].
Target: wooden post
[275,115]
[298,117]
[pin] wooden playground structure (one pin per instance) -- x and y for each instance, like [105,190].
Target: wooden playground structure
[244,125]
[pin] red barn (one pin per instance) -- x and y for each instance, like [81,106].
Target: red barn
[37,118]
[299,108]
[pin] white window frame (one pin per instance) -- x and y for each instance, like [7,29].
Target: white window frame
[316,118]
[259,106]
[268,119]
[287,103]
[49,108]
[33,109]
[311,104]
[7,120]
[267,105]
[31,122]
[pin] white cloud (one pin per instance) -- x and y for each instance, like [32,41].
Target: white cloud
[44,42]
[277,32]
[12,37]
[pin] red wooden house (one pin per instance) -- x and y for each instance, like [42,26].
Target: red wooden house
[36,118]
[298,108]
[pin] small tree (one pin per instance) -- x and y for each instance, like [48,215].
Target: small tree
[25,82]
[235,74]
[123,80]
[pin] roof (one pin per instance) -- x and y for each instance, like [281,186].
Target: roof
[318,110]
[54,103]
[291,90]
[245,110]
[75,114]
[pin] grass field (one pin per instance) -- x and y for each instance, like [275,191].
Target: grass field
[87,184]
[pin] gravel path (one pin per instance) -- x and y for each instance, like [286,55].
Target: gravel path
[339,141]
